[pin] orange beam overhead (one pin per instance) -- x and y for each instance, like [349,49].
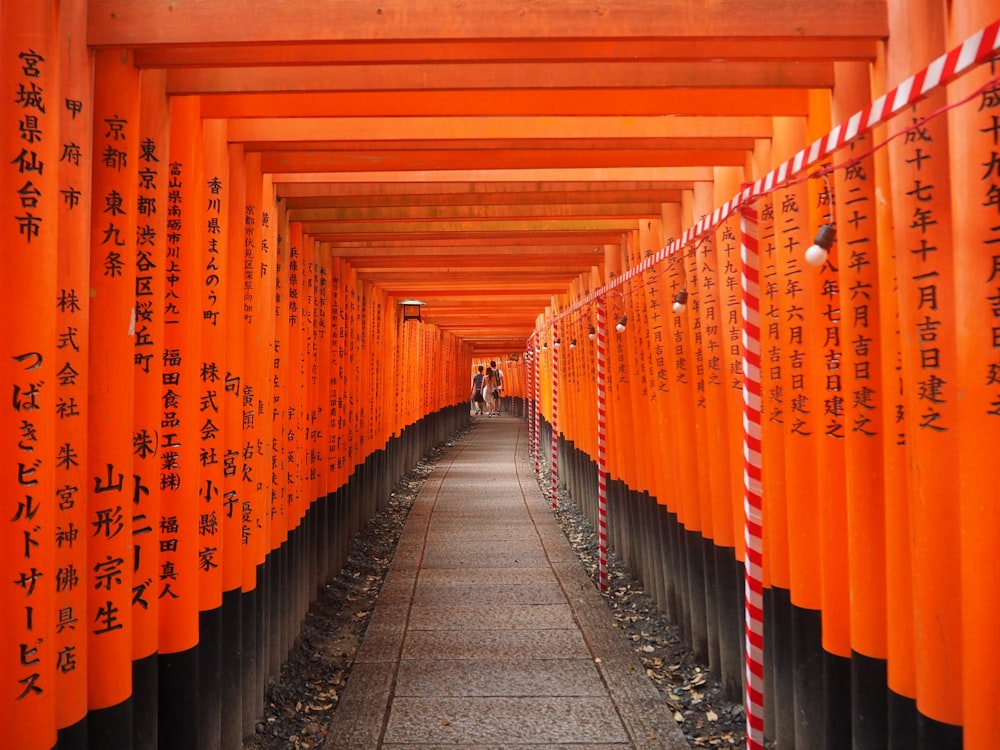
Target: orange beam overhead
[546,246]
[413,139]
[605,176]
[458,227]
[153,22]
[479,76]
[413,201]
[537,49]
[574,101]
[476,213]
[333,161]
[273,129]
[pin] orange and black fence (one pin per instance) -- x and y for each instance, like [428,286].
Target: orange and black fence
[202,406]
[852,396]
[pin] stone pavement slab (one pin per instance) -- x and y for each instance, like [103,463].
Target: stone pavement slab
[487,634]
[508,720]
[499,677]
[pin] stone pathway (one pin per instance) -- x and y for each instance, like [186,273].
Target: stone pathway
[487,633]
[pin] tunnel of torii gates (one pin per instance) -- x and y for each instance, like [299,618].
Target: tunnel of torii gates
[212,213]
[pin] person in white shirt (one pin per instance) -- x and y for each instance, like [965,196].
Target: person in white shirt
[490,392]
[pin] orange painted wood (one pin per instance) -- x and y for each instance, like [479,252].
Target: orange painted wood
[689,439]
[684,175]
[320,196]
[864,386]
[900,623]
[338,375]
[180,541]
[977,347]
[453,252]
[406,169]
[72,362]
[701,278]
[729,319]
[317,365]
[440,211]
[213,273]
[774,496]
[279,393]
[564,131]
[925,258]
[576,101]
[641,433]
[492,76]
[585,370]
[291,390]
[381,152]
[258,331]
[665,366]
[353,427]
[382,368]
[656,382]
[831,419]
[150,286]
[776,574]
[619,409]
[111,404]
[533,186]
[294,439]
[271,228]
[468,227]
[461,50]
[236,497]
[145,21]
[28,550]
[801,355]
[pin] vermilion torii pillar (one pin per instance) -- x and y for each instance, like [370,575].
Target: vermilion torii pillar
[29,200]
[111,486]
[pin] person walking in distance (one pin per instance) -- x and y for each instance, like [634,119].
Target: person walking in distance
[498,376]
[490,391]
[477,391]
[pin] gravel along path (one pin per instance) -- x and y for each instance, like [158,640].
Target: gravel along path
[300,702]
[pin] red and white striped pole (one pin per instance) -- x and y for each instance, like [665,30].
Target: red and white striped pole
[602,448]
[538,416]
[977,49]
[555,413]
[752,504]
[529,375]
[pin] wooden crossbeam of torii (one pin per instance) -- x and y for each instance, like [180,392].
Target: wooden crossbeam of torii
[358,112]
